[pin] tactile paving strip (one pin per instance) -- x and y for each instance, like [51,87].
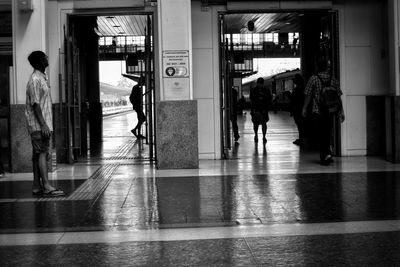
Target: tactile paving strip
[90,189]
[123,151]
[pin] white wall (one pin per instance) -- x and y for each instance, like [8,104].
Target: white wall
[393,38]
[29,34]
[205,72]
[364,67]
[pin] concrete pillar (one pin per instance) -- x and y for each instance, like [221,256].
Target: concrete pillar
[394,48]
[176,123]
[393,101]
[29,34]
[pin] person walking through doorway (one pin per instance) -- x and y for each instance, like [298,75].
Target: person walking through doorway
[136,99]
[296,107]
[39,117]
[261,98]
[315,93]
[234,112]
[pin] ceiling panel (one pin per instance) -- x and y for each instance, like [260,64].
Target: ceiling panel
[263,23]
[133,25]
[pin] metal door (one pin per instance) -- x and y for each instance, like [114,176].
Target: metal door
[225,89]
[144,67]
[330,48]
[150,85]
[72,96]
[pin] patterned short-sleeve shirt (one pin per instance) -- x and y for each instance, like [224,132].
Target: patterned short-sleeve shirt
[314,87]
[38,91]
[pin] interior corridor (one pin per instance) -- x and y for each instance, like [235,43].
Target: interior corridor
[262,207]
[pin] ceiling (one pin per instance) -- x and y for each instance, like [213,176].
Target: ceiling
[133,25]
[263,22]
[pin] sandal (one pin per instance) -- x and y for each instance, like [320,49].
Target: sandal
[54,193]
[37,193]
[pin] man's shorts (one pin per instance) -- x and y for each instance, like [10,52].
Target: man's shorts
[40,144]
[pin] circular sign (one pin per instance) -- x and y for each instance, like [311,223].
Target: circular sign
[170,71]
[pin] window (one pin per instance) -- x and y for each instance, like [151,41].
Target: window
[292,36]
[271,37]
[236,38]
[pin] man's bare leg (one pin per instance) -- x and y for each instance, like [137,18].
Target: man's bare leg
[42,166]
[37,185]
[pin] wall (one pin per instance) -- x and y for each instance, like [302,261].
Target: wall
[364,67]
[29,34]
[206,79]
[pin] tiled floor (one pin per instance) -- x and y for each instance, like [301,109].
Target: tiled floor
[268,205]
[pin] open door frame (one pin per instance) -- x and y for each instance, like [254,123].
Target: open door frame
[225,90]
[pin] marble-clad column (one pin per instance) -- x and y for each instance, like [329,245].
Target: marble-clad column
[177,135]
[21,147]
[393,100]
[176,111]
[393,129]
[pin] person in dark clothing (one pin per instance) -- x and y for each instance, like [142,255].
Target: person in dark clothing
[2,105]
[322,117]
[261,98]
[136,99]
[296,107]
[234,112]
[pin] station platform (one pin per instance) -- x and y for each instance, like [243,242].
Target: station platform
[271,205]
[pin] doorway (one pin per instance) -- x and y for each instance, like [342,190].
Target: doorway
[291,42]
[97,113]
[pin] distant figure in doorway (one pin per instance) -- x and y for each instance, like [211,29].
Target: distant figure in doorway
[234,112]
[261,98]
[319,88]
[39,117]
[241,105]
[1,162]
[136,99]
[296,107]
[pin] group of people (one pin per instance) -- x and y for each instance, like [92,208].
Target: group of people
[320,99]
[313,98]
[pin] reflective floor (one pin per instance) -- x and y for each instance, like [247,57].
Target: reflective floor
[267,206]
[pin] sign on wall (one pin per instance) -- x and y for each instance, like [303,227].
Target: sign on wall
[176,74]
[176,63]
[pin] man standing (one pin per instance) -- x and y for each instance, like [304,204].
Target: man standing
[39,119]
[136,99]
[324,118]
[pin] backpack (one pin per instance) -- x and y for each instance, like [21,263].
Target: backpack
[330,101]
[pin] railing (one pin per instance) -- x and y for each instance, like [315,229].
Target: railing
[112,49]
[115,110]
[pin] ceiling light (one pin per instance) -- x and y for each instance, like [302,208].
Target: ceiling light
[110,17]
[121,33]
[116,26]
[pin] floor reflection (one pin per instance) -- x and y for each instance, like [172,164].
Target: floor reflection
[279,198]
